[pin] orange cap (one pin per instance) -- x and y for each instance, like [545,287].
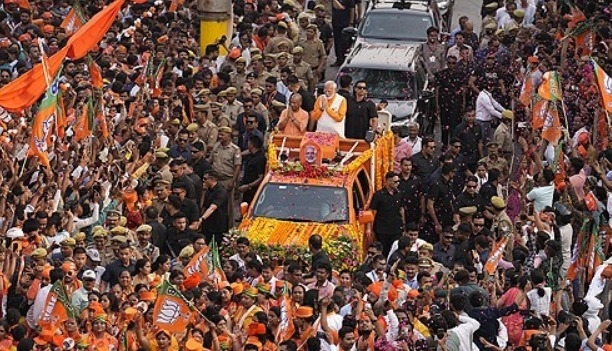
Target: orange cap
[147,296]
[234,54]
[255,329]
[48,28]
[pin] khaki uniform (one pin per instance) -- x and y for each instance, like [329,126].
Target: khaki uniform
[208,133]
[150,251]
[237,79]
[261,79]
[500,163]
[232,110]
[224,160]
[222,121]
[503,138]
[313,52]
[164,172]
[158,204]
[263,110]
[272,47]
[304,73]
[107,255]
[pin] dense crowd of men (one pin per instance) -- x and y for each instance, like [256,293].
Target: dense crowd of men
[489,237]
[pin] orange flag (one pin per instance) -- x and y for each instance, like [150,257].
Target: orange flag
[82,127]
[57,308]
[42,125]
[526,91]
[538,114]
[605,86]
[171,311]
[24,91]
[61,115]
[198,264]
[574,17]
[95,74]
[24,4]
[550,89]
[90,34]
[552,125]
[496,254]
[71,22]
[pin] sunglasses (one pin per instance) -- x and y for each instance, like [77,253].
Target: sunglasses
[183,140]
[251,122]
[478,225]
[471,186]
[361,87]
[457,146]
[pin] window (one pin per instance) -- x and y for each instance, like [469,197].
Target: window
[384,83]
[303,203]
[397,25]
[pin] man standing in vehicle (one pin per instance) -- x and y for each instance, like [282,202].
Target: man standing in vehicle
[330,111]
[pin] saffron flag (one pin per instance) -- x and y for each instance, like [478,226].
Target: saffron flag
[57,308]
[526,91]
[605,86]
[171,311]
[198,264]
[88,36]
[574,17]
[24,91]
[550,89]
[551,130]
[157,79]
[43,122]
[538,113]
[61,115]
[95,73]
[84,123]
[71,23]
[497,253]
[207,265]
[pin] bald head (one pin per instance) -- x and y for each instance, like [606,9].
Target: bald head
[295,102]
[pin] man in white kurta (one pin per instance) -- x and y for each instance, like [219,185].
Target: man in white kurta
[330,111]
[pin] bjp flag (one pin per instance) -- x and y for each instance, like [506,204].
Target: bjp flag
[57,308]
[42,125]
[84,123]
[71,23]
[198,264]
[24,91]
[551,131]
[605,86]
[497,253]
[171,311]
[550,89]
[526,91]
[95,73]
[90,34]
[538,113]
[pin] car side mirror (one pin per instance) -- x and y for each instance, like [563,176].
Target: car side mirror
[244,208]
[350,30]
[366,217]
[426,95]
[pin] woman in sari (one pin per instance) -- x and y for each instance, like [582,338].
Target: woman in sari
[514,322]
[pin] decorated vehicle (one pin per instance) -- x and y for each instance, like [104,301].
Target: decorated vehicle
[318,184]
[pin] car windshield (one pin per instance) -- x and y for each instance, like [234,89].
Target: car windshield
[399,25]
[303,203]
[384,83]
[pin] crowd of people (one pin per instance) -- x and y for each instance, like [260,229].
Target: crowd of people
[490,237]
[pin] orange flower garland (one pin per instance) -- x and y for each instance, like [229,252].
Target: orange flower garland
[276,232]
[358,162]
[272,157]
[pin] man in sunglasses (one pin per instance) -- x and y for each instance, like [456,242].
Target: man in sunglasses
[361,115]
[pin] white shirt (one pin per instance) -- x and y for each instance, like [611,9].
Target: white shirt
[464,332]
[540,304]
[37,307]
[80,223]
[541,196]
[416,144]
[334,322]
[487,108]
[415,247]
[566,233]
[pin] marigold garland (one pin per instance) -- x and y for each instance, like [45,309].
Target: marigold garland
[272,157]
[343,242]
[358,162]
